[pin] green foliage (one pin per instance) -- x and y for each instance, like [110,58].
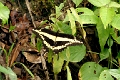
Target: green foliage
[101,32]
[105,75]
[4,13]
[90,71]
[99,3]
[57,63]
[106,17]
[31,74]
[69,77]
[115,22]
[115,73]
[8,71]
[76,53]
[11,28]
[7,54]
[39,44]
[77,2]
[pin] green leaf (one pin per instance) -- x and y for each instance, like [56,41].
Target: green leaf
[4,13]
[116,21]
[12,75]
[85,11]
[115,73]
[99,3]
[62,27]
[110,42]
[90,70]
[58,61]
[8,71]
[27,69]
[3,70]
[77,2]
[105,75]
[89,19]
[50,54]
[58,10]
[118,55]
[77,18]
[72,22]
[114,4]
[88,16]
[11,48]
[101,31]
[39,44]
[104,54]
[117,39]
[77,53]
[69,77]
[11,28]
[106,15]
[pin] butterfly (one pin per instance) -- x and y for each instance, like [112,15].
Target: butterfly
[56,41]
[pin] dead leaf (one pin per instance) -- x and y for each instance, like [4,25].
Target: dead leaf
[33,58]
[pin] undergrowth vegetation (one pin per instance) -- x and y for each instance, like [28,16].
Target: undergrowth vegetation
[97,61]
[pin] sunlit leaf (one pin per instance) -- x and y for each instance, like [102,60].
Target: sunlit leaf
[115,73]
[114,4]
[105,75]
[90,71]
[99,3]
[77,2]
[116,21]
[4,13]
[69,77]
[106,15]
[104,54]
[101,31]
[58,63]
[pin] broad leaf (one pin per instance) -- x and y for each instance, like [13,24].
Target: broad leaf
[104,54]
[72,21]
[90,71]
[87,16]
[85,11]
[103,34]
[106,15]
[77,2]
[58,63]
[4,13]
[99,3]
[115,73]
[114,4]
[8,71]
[89,19]
[12,75]
[77,18]
[105,75]
[75,53]
[58,10]
[116,21]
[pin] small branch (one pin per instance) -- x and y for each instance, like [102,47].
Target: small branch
[28,6]
[42,52]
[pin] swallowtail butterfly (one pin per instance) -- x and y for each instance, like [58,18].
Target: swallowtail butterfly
[56,41]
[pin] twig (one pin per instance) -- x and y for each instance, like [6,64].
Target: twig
[44,64]
[28,6]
